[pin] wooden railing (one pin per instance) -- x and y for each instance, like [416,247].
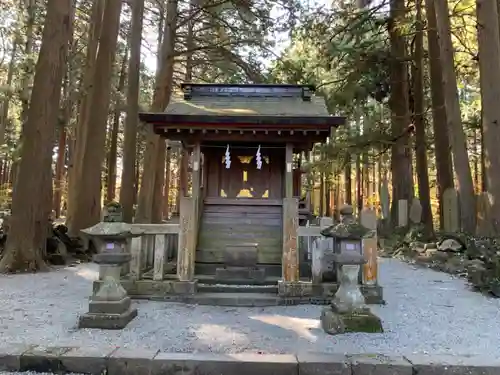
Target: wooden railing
[152,251]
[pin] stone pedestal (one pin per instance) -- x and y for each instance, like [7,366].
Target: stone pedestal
[110,307]
[348,312]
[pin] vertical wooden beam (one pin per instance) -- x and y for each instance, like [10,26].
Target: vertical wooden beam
[290,243]
[368,219]
[183,189]
[159,257]
[136,261]
[197,198]
[187,240]
[196,170]
[289,171]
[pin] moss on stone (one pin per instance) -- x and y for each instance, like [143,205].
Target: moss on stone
[362,322]
[337,323]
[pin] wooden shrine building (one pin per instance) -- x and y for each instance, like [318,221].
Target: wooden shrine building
[240,208]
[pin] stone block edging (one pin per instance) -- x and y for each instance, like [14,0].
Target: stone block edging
[126,361]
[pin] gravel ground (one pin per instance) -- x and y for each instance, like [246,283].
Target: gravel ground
[426,312]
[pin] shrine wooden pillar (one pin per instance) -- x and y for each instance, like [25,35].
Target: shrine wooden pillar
[289,170]
[196,172]
[290,259]
[297,178]
[183,188]
[189,218]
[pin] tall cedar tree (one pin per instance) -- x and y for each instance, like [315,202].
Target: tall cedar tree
[31,196]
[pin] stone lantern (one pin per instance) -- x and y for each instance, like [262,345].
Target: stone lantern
[348,311]
[346,236]
[110,307]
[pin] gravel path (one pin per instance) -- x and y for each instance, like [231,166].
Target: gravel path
[427,312]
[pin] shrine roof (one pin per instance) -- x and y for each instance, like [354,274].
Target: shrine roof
[248,106]
[245,104]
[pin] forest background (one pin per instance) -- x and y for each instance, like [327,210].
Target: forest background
[420,94]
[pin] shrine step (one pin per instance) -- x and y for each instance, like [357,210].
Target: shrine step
[211,280]
[247,289]
[237,299]
[272,270]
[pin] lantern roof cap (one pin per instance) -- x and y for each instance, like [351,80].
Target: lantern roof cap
[347,231]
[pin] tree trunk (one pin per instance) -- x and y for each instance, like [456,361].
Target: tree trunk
[489,63]
[190,43]
[328,192]
[88,192]
[28,224]
[30,7]
[348,180]
[419,121]
[113,139]
[157,208]
[484,180]
[401,163]
[69,95]
[465,185]
[161,97]
[476,145]
[442,148]
[166,184]
[128,188]
[75,168]
[59,177]
[359,177]
[4,113]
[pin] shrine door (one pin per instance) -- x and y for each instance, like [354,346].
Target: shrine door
[243,179]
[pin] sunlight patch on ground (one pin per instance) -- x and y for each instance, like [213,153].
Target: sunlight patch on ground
[208,334]
[302,327]
[87,273]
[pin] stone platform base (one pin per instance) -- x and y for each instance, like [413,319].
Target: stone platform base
[218,293]
[363,321]
[152,288]
[122,361]
[106,320]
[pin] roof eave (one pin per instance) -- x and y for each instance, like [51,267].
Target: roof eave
[242,120]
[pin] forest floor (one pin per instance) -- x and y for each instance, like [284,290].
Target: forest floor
[426,312]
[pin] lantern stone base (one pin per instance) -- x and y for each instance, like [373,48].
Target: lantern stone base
[109,307]
[107,320]
[334,322]
[144,289]
[305,289]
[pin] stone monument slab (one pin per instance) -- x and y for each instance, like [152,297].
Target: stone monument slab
[415,214]
[240,264]
[451,213]
[241,255]
[402,213]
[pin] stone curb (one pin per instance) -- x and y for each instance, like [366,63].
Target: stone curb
[122,361]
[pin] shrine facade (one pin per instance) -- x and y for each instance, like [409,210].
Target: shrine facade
[241,175]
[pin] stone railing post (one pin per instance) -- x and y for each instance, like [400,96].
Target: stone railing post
[187,239]
[368,219]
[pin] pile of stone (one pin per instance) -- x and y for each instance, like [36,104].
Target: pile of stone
[61,249]
[476,258]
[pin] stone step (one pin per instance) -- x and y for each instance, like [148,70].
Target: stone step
[237,299]
[239,288]
[211,280]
